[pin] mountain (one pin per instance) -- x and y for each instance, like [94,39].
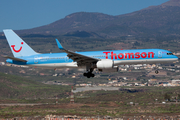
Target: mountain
[172,3]
[158,20]
[81,21]
[154,20]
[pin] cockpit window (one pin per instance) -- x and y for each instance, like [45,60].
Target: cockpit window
[169,53]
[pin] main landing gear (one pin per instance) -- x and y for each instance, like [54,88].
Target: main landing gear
[89,73]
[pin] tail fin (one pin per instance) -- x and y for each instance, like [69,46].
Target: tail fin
[18,47]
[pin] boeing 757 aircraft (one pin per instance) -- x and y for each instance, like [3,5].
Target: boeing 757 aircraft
[107,60]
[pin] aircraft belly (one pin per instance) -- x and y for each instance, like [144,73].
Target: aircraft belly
[56,65]
[143,61]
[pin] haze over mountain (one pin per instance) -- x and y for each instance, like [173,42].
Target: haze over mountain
[163,19]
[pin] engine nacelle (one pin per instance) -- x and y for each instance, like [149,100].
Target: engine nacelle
[106,65]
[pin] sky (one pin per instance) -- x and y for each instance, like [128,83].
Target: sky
[26,14]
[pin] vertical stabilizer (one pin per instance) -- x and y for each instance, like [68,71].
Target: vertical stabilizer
[18,47]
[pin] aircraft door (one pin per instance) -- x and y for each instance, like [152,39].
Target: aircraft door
[36,59]
[159,54]
[66,59]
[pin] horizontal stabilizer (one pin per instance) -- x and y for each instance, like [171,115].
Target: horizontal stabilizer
[15,59]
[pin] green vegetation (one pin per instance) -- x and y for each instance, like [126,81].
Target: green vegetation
[138,95]
[14,87]
[146,100]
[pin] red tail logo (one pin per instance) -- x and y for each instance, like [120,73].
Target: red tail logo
[15,49]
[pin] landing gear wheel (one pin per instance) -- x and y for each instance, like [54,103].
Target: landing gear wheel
[89,70]
[89,74]
[85,74]
[92,75]
[156,71]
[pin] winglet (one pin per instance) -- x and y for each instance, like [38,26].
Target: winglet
[59,45]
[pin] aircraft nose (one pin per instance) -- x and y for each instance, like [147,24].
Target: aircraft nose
[176,57]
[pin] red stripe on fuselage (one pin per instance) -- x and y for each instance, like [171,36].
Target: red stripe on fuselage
[130,55]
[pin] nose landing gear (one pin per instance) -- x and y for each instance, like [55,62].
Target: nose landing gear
[156,71]
[89,73]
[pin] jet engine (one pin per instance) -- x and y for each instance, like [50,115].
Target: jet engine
[106,65]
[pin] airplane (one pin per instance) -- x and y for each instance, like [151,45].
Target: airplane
[107,60]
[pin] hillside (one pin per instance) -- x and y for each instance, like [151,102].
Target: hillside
[158,20]
[80,21]
[12,86]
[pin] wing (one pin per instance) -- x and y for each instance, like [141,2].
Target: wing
[76,57]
